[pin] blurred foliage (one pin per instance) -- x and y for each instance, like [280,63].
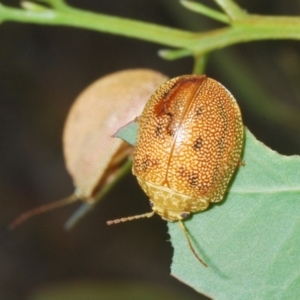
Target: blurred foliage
[105,291]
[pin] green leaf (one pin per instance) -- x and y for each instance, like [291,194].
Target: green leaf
[251,240]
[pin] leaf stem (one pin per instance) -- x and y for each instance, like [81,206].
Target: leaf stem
[86,207]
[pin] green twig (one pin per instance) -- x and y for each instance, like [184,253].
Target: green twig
[199,64]
[206,11]
[246,29]
[100,22]
[233,11]
[174,54]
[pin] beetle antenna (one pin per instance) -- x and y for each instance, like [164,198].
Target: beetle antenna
[117,221]
[187,236]
[41,209]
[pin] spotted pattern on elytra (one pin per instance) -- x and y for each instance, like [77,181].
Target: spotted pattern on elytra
[191,136]
[197,144]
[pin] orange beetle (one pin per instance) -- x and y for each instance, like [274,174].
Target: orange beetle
[189,144]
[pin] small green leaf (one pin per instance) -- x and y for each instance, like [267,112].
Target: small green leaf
[128,132]
[251,240]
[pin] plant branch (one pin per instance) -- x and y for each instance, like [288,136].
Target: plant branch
[246,29]
[96,21]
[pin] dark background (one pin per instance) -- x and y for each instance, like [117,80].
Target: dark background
[42,70]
